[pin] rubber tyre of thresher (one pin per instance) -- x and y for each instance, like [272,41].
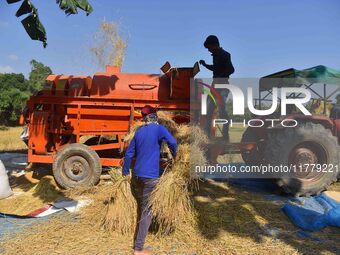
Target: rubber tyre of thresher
[255,156]
[307,143]
[77,165]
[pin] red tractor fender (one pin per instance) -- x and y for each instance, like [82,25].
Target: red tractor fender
[300,118]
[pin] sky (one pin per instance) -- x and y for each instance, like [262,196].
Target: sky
[263,36]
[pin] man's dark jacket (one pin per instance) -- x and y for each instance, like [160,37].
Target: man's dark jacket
[222,66]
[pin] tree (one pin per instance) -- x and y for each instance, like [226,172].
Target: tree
[15,91]
[13,80]
[13,96]
[32,24]
[38,75]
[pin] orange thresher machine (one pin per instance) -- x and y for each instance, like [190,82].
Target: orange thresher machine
[72,108]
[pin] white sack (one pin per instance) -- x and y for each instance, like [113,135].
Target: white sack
[5,189]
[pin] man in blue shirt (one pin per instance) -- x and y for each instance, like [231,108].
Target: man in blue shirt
[145,146]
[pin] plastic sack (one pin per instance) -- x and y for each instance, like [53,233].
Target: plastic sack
[5,189]
[314,213]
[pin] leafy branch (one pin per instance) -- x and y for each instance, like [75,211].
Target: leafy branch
[32,24]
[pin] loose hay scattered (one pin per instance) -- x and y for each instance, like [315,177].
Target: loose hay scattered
[29,197]
[229,222]
[46,188]
[121,208]
[225,226]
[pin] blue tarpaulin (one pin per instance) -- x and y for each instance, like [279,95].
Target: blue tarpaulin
[13,223]
[313,213]
[10,223]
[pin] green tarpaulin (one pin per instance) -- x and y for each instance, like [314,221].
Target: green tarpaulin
[295,78]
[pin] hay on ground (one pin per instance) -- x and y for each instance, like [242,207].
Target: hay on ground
[29,197]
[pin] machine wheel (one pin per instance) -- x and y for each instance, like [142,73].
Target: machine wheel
[76,165]
[308,144]
[255,156]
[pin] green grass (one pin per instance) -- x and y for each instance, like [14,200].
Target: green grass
[10,139]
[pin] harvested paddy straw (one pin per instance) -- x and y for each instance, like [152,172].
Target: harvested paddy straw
[170,201]
[121,208]
[163,119]
[29,196]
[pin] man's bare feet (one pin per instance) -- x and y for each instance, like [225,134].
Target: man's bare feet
[143,252]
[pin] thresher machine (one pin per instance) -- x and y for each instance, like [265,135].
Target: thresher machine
[70,119]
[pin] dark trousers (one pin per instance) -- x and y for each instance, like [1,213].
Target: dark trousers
[223,113]
[141,189]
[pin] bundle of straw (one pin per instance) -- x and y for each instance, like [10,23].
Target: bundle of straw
[170,201]
[121,208]
[163,119]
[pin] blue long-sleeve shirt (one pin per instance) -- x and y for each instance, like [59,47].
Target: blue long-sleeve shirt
[146,145]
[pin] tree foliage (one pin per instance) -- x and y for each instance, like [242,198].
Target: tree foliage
[38,75]
[15,90]
[32,24]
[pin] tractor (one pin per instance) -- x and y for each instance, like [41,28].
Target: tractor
[312,147]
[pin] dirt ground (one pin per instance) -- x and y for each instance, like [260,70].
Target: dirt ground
[229,220]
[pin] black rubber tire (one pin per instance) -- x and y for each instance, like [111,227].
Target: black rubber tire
[80,156]
[282,142]
[255,156]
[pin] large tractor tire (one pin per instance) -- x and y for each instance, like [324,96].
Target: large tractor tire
[305,145]
[255,156]
[76,165]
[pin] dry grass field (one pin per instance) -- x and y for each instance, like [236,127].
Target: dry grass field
[10,139]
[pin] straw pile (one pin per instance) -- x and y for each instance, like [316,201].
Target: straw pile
[170,201]
[230,221]
[121,209]
[29,196]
